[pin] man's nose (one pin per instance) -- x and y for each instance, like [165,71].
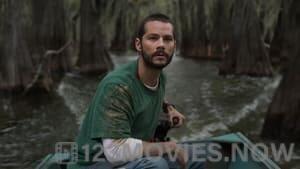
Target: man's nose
[161,43]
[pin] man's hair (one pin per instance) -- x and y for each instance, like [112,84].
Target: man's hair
[153,17]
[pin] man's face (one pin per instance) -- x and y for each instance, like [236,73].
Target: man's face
[157,44]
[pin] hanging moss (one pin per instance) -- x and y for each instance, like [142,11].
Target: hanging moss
[121,25]
[16,65]
[202,25]
[268,12]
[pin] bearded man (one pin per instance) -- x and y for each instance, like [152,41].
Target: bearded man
[125,110]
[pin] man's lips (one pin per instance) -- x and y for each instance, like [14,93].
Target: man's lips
[160,54]
[160,57]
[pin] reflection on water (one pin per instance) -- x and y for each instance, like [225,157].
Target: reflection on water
[77,91]
[29,127]
[214,104]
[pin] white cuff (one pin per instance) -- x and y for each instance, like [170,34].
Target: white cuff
[119,151]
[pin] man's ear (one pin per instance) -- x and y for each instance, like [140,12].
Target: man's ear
[138,44]
[175,44]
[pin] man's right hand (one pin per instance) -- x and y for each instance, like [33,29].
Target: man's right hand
[180,154]
[182,158]
[169,148]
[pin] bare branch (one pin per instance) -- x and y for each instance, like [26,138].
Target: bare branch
[44,60]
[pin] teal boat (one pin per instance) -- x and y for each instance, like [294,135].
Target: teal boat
[256,159]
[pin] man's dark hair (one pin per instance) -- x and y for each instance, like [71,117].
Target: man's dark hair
[153,17]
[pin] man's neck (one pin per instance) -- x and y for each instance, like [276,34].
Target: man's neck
[147,75]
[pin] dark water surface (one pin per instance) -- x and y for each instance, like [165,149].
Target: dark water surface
[30,126]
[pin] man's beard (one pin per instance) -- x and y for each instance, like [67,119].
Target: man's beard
[148,59]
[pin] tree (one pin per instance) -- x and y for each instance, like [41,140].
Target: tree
[16,68]
[194,38]
[282,119]
[220,31]
[121,40]
[49,33]
[280,44]
[247,54]
[93,52]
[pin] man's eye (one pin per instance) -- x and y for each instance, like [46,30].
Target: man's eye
[153,38]
[168,39]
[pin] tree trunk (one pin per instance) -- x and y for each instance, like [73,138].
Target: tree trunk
[194,38]
[49,33]
[123,26]
[93,54]
[220,32]
[16,68]
[282,119]
[280,45]
[247,54]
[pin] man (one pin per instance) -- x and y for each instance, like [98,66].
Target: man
[125,111]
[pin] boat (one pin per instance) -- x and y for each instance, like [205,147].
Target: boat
[256,159]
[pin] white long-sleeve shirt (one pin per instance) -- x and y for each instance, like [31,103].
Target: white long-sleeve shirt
[119,151]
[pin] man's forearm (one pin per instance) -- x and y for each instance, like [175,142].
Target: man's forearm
[118,151]
[122,150]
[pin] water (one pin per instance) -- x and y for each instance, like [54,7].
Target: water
[213,105]
[30,127]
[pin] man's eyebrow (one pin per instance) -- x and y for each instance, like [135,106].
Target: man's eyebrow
[153,34]
[156,34]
